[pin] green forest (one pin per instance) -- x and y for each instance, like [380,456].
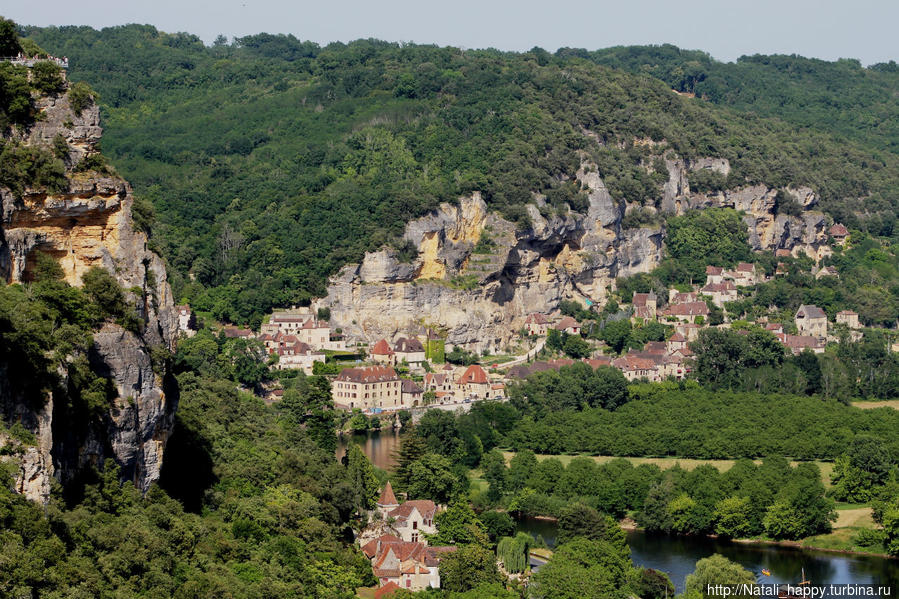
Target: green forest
[264,164]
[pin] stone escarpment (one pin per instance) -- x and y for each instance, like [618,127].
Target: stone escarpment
[88,224]
[476,277]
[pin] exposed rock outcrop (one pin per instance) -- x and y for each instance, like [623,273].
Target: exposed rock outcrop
[89,224]
[480,297]
[481,292]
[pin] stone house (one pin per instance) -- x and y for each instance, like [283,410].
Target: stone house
[848,318]
[381,353]
[411,394]
[799,343]
[744,275]
[725,291]
[413,519]
[812,321]
[568,325]
[687,312]
[839,233]
[293,353]
[680,297]
[409,350]
[635,367]
[317,333]
[714,274]
[644,305]
[441,383]
[675,342]
[536,324]
[408,565]
[366,388]
[288,322]
[473,384]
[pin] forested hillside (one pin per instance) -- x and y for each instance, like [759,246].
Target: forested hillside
[271,162]
[835,97]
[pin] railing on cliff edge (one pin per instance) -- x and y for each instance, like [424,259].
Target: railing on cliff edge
[30,62]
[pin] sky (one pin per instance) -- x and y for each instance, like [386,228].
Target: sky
[827,29]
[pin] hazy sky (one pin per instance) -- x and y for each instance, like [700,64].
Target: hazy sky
[829,29]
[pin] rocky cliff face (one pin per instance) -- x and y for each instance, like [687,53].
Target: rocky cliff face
[89,224]
[477,278]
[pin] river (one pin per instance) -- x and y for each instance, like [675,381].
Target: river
[677,556]
[378,446]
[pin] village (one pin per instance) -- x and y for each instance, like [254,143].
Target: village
[416,369]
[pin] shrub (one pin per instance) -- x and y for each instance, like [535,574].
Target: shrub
[81,96]
[47,77]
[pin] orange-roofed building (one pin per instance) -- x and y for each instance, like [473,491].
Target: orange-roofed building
[536,324]
[388,590]
[839,233]
[568,325]
[675,342]
[366,388]
[387,500]
[381,353]
[473,384]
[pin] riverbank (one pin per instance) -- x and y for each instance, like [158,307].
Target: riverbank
[807,543]
[839,541]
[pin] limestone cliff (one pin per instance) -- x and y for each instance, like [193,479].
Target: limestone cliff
[477,277]
[89,224]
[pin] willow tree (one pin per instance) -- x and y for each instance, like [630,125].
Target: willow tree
[513,552]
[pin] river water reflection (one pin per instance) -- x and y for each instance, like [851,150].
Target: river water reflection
[378,446]
[677,556]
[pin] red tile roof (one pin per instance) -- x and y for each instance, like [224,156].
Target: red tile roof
[387,590]
[473,374]
[800,342]
[838,230]
[371,374]
[713,270]
[719,287]
[233,332]
[655,347]
[425,507]
[387,497]
[566,323]
[381,348]
[597,362]
[687,309]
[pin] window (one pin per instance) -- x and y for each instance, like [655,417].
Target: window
[414,525]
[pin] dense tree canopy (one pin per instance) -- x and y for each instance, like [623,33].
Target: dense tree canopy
[271,161]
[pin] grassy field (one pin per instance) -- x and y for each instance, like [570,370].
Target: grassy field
[869,405]
[665,463]
[850,520]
